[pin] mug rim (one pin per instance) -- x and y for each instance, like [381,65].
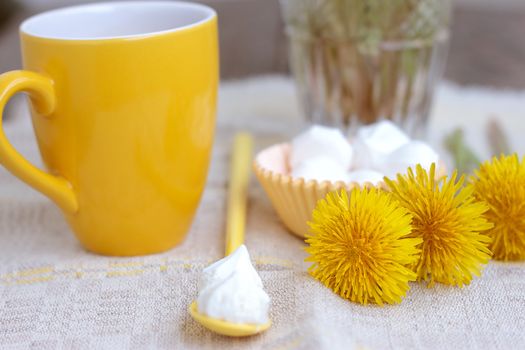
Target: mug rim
[209,15]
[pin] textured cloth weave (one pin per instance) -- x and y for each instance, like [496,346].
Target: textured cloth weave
[55,295]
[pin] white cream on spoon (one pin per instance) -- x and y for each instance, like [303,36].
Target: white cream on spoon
[231,290]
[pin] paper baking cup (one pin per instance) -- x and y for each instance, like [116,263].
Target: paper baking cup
[294,199]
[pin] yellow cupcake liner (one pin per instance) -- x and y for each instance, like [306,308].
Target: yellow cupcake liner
[294,199]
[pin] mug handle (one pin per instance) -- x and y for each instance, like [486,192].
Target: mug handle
[42,93]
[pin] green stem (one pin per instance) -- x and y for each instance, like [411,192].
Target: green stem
[465,160]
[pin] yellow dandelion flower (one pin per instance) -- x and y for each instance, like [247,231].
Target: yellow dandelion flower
[359,246]
[501,184]
[449,220]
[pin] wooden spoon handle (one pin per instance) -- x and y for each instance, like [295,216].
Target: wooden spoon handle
[238,191]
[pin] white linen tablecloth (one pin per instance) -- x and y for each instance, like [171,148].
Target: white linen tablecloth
[55,295]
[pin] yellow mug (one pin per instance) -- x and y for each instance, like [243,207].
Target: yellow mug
[123,101]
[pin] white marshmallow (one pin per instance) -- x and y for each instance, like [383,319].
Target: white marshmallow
[320,169]
[379,150]
[321,141]
[365,175]
[408,155]
[373,142]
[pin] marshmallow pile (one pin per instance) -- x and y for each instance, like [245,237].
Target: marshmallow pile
[378,150]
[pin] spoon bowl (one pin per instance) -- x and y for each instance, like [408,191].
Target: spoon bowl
[227,328]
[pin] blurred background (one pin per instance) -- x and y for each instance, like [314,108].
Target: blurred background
[487,46]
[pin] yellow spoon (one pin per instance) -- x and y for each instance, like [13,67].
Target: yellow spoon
[235,226]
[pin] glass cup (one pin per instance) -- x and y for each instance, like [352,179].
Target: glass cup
[356,62]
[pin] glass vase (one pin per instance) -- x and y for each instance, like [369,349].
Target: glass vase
[359,61]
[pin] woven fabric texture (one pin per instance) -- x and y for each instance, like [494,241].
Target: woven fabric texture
[55,295]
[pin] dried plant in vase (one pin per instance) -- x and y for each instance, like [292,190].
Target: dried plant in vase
[357,61]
